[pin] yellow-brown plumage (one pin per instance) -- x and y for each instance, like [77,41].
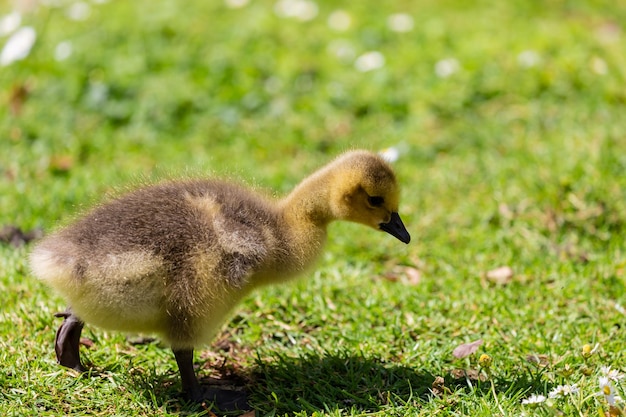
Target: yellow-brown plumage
[175,258]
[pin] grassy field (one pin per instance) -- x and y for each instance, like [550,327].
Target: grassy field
[509,119]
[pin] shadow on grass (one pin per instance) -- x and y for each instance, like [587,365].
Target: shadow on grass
[339,381]
[287,385]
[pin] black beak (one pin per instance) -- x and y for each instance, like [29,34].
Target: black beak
[396,228]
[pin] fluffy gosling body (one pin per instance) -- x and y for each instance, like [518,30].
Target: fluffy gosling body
[176,257]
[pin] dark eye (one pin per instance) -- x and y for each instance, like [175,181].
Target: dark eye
[375,201]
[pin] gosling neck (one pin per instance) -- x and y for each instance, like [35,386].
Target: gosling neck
[309,203]
[304,216]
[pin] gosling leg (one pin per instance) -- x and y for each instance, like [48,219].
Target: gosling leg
[67,341]
[223,400]
[191,386]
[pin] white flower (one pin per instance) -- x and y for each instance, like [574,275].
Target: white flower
[298,9]
[400,22]
[79,11]
[390,154]
[534,400]
[612,374]
[339,20]
[63,51]
[528,58]
[369,61]
[446,67]
[10,23]
[236,4]
[620,308]
[18,46]
[607,390]
[563,391]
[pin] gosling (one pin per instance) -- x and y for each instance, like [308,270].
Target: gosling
[176,257]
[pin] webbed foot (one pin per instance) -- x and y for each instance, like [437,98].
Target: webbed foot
[222,400]
[67,341]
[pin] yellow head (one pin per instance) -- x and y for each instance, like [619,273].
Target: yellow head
[364,190]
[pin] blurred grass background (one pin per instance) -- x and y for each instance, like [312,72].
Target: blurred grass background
[508,118]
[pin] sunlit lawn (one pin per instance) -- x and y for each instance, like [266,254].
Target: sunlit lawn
[508,121]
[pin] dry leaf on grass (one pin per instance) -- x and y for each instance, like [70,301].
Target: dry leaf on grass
[408,275]
[500,276]
[541,360]
[414,276]
[249,414]
[615,411]
[471,374]
[466,349]
[438,387]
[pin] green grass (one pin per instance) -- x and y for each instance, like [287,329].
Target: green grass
[502,164]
